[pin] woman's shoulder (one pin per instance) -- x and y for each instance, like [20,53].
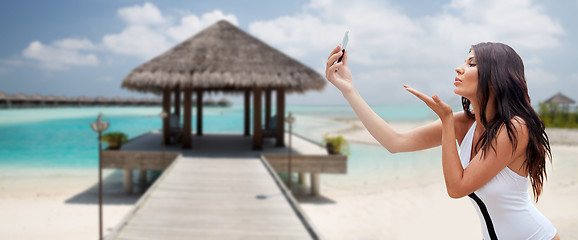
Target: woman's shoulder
[462,124]
[519,126]
[461,120]
[518,121]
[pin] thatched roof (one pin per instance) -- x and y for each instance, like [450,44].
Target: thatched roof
[62,98]
[36,97]
[560,99]
[50,98]
[19,97]
[223,58]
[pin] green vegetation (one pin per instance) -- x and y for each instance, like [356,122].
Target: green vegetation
[557,116]
[114,139]
[335,145]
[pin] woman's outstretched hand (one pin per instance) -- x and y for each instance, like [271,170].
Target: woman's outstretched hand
[442,109]
[338,74]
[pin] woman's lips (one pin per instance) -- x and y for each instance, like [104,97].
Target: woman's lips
[457,81]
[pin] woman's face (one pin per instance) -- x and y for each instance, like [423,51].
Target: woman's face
[467,80]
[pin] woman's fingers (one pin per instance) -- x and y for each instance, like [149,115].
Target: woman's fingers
[419,95]
[334,51]
[333,69]
[434,102]
[333,58]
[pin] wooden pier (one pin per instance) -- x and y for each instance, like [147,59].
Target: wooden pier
[216,192]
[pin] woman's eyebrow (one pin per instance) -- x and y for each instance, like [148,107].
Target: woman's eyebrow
[469,59]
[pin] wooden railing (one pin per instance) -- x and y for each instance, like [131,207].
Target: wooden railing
[137,160]
[313,164]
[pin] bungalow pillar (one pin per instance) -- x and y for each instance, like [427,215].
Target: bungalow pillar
[257,131]
[167,110]
[267,108]
[247,111]
[177,102]
[280,117]
[199,112]
[186,135]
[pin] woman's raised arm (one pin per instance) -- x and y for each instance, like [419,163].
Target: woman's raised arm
[424,137]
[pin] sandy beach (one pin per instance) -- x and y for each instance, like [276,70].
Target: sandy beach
[419,207]
[405,204]
[60,203]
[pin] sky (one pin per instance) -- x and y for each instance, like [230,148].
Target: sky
[75,48]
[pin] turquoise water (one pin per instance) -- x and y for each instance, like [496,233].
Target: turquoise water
[62,137]
[391,113]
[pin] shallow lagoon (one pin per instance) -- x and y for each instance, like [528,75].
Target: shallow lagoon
[62,137]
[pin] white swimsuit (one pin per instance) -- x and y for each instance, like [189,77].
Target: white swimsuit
[504,205]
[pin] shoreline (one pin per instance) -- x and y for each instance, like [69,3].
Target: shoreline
[356,132]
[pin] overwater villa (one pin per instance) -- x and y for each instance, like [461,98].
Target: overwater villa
[223,58]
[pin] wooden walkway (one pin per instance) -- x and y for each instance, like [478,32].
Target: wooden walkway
[203,196]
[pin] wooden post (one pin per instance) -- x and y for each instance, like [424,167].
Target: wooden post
[315,184]
[186,135]
[167,110]
[199,112]
[257,131]
[178,102]
[142,177]
[267,108]
[280,117]
[128,180]
[301,179]
[247,112]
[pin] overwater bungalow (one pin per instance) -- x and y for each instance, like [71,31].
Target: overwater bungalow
[224,102]
[63,101]
[19,99]
[83,101]
[116,101]
[100,100]
[223,58]
[131,101]
[209,103]
[4,101]
[50,100]
[36,100]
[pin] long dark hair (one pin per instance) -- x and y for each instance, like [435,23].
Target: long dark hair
[501,70]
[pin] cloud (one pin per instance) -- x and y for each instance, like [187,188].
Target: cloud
[540,77]
[519,23]
[137,40]
[191,24]
[148,33]
[147,14]
[62,54]
[381,33]
[423,50]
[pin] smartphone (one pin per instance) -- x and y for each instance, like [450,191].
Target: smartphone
[344,44]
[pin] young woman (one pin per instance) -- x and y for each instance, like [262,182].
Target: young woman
[503,145]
